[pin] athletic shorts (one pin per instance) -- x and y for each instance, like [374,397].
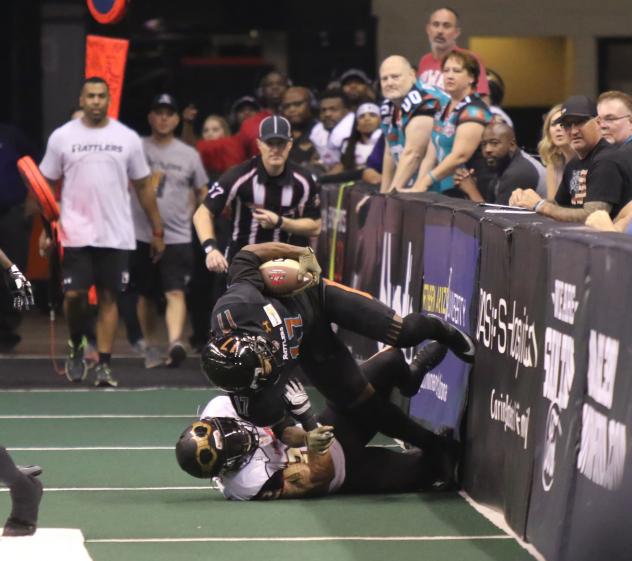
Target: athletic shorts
[104,267]
[171,272]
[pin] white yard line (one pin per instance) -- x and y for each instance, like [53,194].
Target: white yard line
[307,539]
[497,519]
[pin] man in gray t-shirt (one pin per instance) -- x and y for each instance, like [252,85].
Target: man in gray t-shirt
[180,182]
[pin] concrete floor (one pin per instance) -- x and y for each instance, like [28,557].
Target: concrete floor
[38,338]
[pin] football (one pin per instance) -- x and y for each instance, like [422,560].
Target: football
[281,276]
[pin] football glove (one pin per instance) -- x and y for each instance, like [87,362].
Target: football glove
[20,288]
[320,439]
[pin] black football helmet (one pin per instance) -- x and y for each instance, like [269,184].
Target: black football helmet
[211,446]
[241,361]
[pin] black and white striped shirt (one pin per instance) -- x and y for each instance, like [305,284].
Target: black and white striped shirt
[247,186]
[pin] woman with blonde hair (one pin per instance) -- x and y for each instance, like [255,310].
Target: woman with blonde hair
[554,149]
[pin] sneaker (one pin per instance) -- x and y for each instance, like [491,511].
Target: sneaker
[26,494]
[177,353]
[139,347]
[91,355]
[426,358]
[30,470]
[153,357]
[76,368]
[459,342]
[104,376]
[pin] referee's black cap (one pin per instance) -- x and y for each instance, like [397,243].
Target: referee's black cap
[577,106]
[275,127]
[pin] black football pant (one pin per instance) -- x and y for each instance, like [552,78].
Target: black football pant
[373,469]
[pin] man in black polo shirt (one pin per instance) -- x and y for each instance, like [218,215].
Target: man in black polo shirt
[594,180]
[505,160]
[271,198]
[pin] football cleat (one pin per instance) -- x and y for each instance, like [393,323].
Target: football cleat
[76,368]
[425,359]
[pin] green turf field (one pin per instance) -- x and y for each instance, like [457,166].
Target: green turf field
[110,470]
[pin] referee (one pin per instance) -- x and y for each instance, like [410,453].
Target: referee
[271,199]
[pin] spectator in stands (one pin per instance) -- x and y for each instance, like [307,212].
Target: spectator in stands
[272,199]
[336,125]
[443,29]
[614,113]
[357,86]
[243,108]
[598,178]
[554,149]
[496,96]
[458,128]
[407,115]
[180,181]
[372,173]
[218,153]
[97,157]
[270,94]
[296,107]
[504,157]
[14,224]
[214,127]
[366,132]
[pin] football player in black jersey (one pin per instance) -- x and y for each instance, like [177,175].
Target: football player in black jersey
[259,340]
[26,490]
[251,466]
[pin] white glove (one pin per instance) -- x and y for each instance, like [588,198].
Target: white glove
[296,397]
[21,291]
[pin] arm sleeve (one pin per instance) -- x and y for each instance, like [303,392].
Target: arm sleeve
[217,196]
[312,207]
[245,268]
[51,165]
[474,113]
[428,107]
[137,167]
[563,195]
[199,174]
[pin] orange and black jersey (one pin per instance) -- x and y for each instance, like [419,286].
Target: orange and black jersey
[300,328]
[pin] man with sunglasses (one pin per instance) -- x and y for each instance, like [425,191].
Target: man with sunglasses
[271,198]
[596,179]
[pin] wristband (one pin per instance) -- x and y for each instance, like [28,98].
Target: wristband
[279,222]
[209,245]
[539,204]
[432,177]
[158,233]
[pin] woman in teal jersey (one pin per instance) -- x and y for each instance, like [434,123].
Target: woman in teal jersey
[457,130]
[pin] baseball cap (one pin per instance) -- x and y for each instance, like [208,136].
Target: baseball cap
[164,100]
[577,106]
[354,73]
[275,127]
[245,100]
